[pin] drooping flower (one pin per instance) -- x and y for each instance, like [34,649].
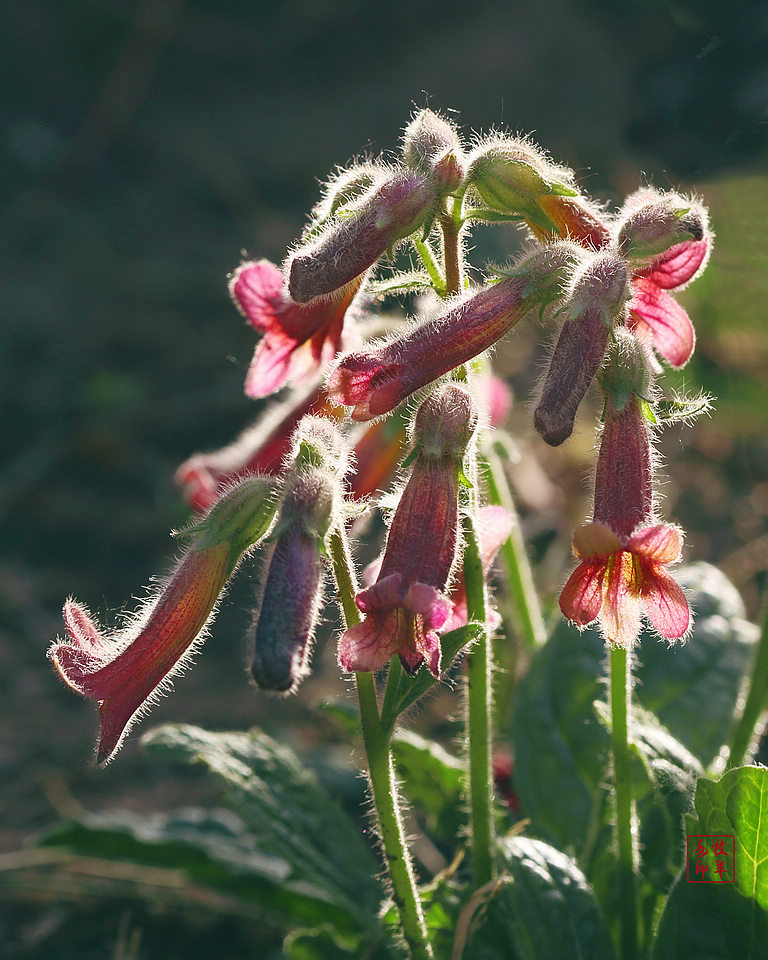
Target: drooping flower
[680,227]
[374,381]
[407,605]
[618,578]
[297,341]
[623,551]
[126,671]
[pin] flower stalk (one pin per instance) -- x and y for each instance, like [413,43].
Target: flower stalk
[479,715]
[381,772]
[620,692]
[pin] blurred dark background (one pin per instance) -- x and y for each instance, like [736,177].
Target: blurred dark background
[147,143]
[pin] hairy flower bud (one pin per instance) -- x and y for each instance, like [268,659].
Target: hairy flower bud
[445,423]
[376,380]
[596,302]
[347,186]
[283,627]
[510,175]
[351,243]
[431,146]
[653,222]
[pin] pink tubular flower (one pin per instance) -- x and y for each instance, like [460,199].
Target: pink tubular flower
[376,380]
[407,605]
[623,552]
[494,525]
[297,341]
[124,673]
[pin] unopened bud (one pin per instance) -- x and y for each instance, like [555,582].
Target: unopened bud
[596,301]
[509,175]
[348,186]
[657,222]
[431,146]
[241,517]
[445,423]
[368,228]
[318,441]
[283,628]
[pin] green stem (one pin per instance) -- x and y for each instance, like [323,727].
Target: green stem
[744,732]
[451,225]
[428,259]
[622,780]
[515,556]
[479,716]
[381,773]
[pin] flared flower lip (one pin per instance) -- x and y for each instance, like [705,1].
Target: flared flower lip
[620,578]
[298,341]
[654,313]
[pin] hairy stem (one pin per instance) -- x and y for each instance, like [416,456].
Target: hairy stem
[381,773]
[519,574]
[450,224]
[479,716]
[620,690]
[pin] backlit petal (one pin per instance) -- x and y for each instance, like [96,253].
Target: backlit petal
[661,543]
[582,596]
[658,315]
[664,603]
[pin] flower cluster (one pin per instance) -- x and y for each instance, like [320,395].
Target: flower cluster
[351,381]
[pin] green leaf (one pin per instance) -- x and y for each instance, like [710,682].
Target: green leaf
[323,943]
[542,907]
[410,689]
[211,849]
[287,812]
[694,687]
[737,804]
[711,921]
[432,781]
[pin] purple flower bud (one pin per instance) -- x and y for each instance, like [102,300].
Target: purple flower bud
[347,186]
[352,243]
[596,301]
[376,380]
[283,627]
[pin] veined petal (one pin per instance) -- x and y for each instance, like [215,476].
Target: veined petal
[582,596]
[679,265]
[664,602]
[668,325]
[661,543]
[370,644]
[620,614]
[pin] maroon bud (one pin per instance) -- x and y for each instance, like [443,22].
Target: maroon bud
[354,242]
[598,298]
[431,146]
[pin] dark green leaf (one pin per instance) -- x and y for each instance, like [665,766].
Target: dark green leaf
[323,943]
[289,815]
[211,848]
[711,921]
[693,687]
[543,907]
